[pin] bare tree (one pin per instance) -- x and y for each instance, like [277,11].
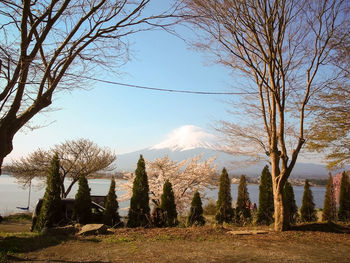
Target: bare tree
[285,50]
[330,130]
[50,45]
[79,157]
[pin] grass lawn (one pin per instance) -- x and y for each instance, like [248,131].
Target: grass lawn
[305,243]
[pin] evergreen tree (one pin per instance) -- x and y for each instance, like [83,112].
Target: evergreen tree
[307,210]
[196,212]
[51,210]
[157,217]
[139,212]
[266,208]
[82,204]
[329,207]
[111,216]
[224,210]
[290,206]
[243,213]
[168,206]
[344,198]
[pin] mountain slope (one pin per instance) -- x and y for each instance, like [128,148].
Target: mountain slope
[189,141]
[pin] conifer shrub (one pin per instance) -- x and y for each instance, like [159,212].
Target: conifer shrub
[82,203]
[266,207]
[51,210]
[307,210]
[157,217]
[139,212]
[329,206]
[224,210]
[195,216]
[111,216]
[290,206]
[243,213]
[168,206]
[344,198]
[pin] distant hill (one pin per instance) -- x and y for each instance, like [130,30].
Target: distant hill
[188,141]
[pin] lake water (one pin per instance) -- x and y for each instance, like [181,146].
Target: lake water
[13,195]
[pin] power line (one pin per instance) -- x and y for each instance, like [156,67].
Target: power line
[159,89]
[170,90]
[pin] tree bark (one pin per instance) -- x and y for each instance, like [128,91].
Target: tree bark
[281,222]
[278,181]
[69,188]
[6,137]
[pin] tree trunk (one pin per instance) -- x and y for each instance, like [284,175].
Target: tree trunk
[278,182]
[5,142]
[281,224]
[69,188]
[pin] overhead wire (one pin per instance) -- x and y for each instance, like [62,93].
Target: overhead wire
[162,89]
[169,90]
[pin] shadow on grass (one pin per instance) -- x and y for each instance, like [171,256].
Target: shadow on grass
[29,242]
[323,227]
[14,258]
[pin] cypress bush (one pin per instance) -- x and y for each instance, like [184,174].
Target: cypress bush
[157,217]
[111,216]
[224,210]
[196,212]
[51,210]
[139,212]
[266,207]
[168,206]
[344,198]
[290,206]
[82,204]
[329,206]
[307,210]
[243,214]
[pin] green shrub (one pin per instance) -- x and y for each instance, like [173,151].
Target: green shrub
[329,205]
[168,206]
[139,212]
[243,214]
[82,204]
[224,210]
[51,211]
[266,207]
[344,198]
[196,212]
[111,216]
[290,206]
[307,210]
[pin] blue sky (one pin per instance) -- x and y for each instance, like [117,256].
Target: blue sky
[127,119]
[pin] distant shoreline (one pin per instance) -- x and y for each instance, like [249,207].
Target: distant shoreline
[235,180]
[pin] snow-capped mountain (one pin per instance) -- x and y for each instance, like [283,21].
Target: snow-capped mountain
[185,138]
[188,141]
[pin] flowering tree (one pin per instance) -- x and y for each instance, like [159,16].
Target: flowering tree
[80,157]
[185,176]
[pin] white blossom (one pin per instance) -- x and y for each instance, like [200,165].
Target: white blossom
[186,177]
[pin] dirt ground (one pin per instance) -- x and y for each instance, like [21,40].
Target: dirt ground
[306,243]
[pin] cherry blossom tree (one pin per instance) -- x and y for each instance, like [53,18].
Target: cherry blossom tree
[186,177]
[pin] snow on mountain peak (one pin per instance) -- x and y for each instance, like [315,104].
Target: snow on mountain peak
[186,137]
